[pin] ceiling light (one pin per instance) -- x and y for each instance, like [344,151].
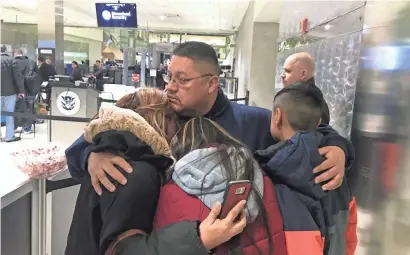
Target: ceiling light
[162,17]
[328,26]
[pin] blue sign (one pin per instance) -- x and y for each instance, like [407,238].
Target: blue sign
[116,15]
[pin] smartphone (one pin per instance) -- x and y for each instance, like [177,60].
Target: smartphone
[235,192]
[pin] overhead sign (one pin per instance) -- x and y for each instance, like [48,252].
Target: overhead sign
[68,103]
[116,15]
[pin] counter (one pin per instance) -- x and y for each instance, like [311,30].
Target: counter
[25,210]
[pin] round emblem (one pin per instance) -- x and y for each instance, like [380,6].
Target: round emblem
[106,15]
[68,103]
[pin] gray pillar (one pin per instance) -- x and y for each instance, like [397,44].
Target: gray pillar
[143,61]
[50,19]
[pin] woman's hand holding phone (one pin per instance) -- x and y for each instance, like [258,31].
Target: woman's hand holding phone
[215,231]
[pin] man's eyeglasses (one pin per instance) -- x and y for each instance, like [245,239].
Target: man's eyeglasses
[181,81]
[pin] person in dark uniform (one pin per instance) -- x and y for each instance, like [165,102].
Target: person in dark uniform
[298,69]
[77,73]
[159,78]
[44,69]
[99,75]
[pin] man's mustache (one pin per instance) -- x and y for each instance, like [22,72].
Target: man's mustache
[172,96]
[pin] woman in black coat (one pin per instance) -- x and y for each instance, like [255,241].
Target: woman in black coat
[138,129]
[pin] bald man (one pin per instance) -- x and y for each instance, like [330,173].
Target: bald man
[298,71]
[297,68]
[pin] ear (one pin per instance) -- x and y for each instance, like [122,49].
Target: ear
[278,115]
[303,75]
[213,84]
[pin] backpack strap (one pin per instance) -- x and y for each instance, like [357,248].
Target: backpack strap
[112,248]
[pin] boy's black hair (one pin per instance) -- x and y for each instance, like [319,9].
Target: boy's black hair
[302,106]
[198,51]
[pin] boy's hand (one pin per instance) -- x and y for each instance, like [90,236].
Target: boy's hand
[99,164]
[334,166]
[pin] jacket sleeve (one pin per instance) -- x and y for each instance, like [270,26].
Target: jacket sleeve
[181,238]
[77,158]
[18,77]
[332,138]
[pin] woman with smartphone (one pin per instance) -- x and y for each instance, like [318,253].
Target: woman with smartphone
[138,128]
[213,167]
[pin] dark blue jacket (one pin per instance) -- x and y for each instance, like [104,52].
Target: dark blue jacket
[304,206]
[249,124]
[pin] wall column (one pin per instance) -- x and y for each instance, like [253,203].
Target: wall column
[50,19]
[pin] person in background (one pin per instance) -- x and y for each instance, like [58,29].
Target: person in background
[193,91]
[49,60]
[12,87]
[77,73]
[99,75]
[298,69]
[25,65]
[44,69]
[309,213]
[159,77]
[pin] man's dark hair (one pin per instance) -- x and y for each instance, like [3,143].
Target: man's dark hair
[198,51]
[41,59]
[98,61]
[3,48]
[301,105]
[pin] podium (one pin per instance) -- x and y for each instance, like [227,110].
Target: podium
[68,100]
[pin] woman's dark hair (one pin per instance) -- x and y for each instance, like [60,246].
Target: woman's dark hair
[236,158]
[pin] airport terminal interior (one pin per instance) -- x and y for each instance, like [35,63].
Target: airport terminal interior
[83,56]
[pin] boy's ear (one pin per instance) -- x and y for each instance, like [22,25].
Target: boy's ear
[278,115]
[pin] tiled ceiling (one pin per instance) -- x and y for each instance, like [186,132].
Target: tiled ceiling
[213,16]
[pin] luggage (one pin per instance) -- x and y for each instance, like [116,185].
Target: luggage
[23,105]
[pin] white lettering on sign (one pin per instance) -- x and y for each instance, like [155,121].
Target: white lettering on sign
[120,15]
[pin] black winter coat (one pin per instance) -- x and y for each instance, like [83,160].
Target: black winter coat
[46,70]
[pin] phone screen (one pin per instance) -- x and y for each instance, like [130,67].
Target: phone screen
[235,192]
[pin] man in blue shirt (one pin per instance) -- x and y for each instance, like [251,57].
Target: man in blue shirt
[193,91]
